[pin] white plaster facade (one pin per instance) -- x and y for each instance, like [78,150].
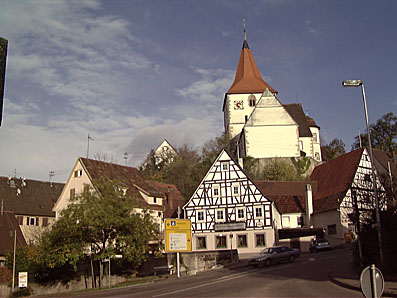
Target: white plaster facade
[227,203]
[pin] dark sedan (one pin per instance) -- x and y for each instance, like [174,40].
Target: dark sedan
[273,255]
[319,245]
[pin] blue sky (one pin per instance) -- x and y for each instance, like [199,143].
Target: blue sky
[132,73]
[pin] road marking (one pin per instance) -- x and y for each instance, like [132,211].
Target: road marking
[221,279]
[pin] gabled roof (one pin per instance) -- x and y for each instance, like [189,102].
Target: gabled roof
[173,198]
[248,78]
[289,196]
[129,177]
[29,197]
[334,179]
[8,225]
[296,112]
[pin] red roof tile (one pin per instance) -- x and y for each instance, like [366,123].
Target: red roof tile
[248,78]
[289,196]
[334,178]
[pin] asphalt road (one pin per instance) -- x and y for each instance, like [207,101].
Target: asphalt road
[306,277]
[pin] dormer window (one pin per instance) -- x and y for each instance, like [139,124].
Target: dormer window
[252,100]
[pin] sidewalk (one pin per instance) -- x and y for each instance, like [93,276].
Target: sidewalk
[347,277]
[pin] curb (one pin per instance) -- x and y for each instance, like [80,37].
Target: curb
[386,292]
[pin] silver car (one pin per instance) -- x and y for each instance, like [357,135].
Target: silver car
[273,255]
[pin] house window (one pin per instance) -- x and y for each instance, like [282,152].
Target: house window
[78,173]
[260,240]
[154,200]
[31,241]
[86,188]
[45,222]
[300,221]
[241,213]
[331,229]
[225,166]
[220,242]
[259,212]
[317,156]
[165,148]
[32,221]
[236,189]
[286,221]
[72,193]
[216,191]
[300,145]
[220,215]
[242,240]
[200,216]
[201,243]
[251,100]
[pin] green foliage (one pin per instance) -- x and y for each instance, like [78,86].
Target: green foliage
[103,223]
[383,134]
[301,165]
[332,150]
[27,259]
[251,168]
[280,170]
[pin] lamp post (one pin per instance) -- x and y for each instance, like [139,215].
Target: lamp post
[358,83]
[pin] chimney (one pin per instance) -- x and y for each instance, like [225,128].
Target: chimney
[309,204]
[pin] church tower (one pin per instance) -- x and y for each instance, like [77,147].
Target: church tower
[244,93]
[258,124]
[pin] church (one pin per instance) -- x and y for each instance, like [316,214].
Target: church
[258,124]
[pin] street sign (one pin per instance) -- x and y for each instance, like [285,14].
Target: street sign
[372,282]
[22,279]
[178,235]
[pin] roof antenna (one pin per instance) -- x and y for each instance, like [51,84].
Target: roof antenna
[88,145]
[52,173]
[125,157]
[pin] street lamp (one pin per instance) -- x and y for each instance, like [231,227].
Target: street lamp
[357,83]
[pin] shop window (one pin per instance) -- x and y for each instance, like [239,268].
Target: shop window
[260,240]
[220,242]
[242,240]
[201,243]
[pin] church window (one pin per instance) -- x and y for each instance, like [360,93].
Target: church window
[314,137]
[252,100]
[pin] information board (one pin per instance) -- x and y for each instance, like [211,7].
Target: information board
[178,235]
[22,279]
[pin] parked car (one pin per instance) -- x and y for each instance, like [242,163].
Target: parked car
[319,245]
[273,255]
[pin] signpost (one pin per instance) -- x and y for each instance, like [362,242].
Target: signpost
[178,237]
[22,279]
[372,282]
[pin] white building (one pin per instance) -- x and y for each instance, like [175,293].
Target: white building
[257,122]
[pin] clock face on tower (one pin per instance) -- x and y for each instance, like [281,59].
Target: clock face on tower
[238,105]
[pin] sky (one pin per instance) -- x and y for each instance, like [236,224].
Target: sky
[130,73]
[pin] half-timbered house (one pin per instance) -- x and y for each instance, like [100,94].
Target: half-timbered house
[344,194]
[227,210]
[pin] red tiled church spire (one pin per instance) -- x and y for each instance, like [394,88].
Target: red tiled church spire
[248,78]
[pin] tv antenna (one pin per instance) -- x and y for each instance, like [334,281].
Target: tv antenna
[52,174]
[125,157]
[88,144]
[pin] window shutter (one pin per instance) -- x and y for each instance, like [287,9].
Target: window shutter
[27,220]
[37,221]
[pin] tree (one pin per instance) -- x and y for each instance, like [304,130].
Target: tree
[280,170]
[332,150]
[383,134]
[100,223]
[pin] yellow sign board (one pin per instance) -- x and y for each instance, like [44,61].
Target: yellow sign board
[178,235]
